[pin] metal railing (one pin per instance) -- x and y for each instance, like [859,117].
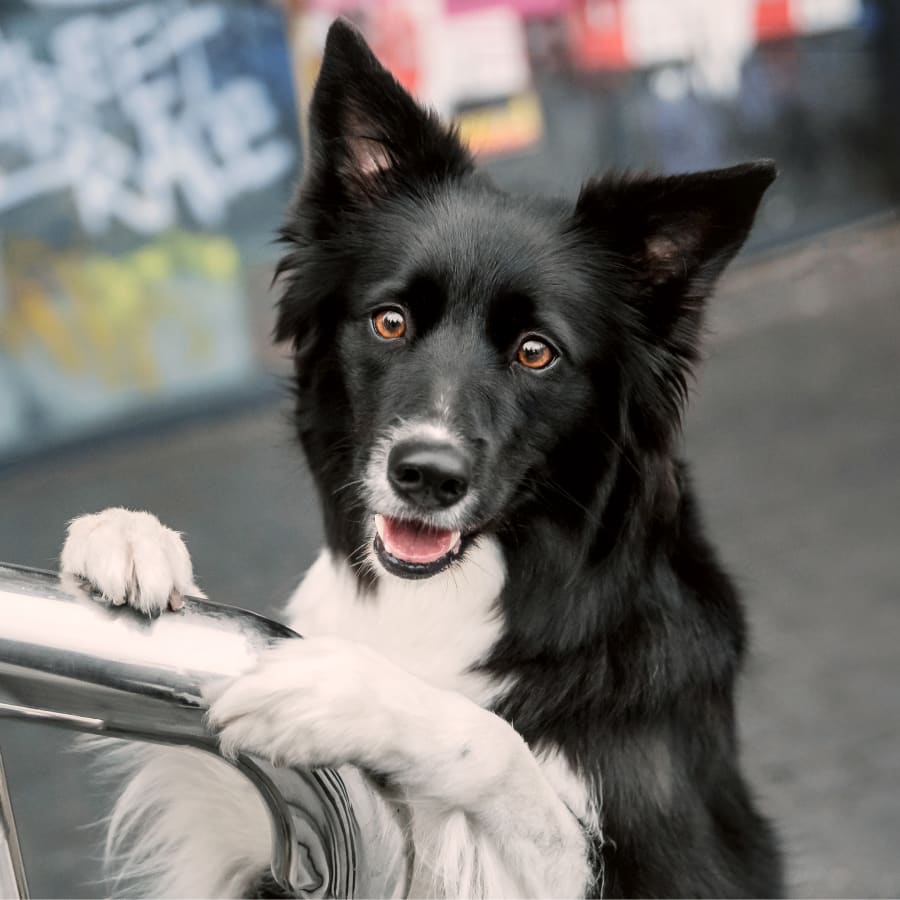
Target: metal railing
[71,661]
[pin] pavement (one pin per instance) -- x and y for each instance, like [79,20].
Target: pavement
[795,439]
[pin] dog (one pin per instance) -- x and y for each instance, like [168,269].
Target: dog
[517,629]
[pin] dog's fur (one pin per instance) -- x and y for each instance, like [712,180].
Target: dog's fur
[555,709]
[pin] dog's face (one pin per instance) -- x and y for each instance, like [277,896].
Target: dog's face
[466,358]
[465,363]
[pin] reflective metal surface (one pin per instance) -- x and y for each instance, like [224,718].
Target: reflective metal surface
[69,659]
[13,884]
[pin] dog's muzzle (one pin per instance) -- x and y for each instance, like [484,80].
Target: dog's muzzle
[428,478]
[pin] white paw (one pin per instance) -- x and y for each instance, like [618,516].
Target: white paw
[130,557]
[308,702]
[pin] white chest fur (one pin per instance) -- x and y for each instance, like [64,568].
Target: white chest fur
[436,629]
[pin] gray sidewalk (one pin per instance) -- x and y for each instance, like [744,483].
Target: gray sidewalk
[795,440]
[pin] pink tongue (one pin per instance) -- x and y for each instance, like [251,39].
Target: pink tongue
[414,543]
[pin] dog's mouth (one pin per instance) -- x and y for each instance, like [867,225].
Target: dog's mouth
[413,550]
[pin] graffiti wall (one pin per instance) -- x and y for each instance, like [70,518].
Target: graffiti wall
[146,150]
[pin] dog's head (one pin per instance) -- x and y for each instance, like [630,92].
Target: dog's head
[465,358]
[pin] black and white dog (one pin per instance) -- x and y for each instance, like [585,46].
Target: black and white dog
[517,623]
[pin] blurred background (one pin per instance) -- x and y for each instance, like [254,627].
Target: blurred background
[147,154]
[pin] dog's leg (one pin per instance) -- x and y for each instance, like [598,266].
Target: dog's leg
[486,822]
[185,824]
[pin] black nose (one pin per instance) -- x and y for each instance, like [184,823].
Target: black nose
[429,475]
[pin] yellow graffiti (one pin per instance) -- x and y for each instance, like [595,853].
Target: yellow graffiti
[98,314]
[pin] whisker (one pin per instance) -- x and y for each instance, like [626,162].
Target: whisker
[355,482]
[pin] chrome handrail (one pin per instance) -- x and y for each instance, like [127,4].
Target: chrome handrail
[69,659]
[13,883]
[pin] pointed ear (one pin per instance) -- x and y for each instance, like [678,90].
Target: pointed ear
[674,235]
[364,125]
[678,232]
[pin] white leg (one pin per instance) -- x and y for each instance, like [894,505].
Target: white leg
[185,824]
[485,820]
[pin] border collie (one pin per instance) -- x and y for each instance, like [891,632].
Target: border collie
[517,625]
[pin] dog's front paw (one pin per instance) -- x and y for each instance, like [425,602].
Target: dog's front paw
[307,703]
[130,557]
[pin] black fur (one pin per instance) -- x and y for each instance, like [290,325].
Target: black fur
[623,636]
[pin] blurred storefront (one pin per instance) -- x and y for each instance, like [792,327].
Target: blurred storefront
[147,151]
[549,90]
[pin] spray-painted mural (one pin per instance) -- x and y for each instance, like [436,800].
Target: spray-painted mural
[146,150]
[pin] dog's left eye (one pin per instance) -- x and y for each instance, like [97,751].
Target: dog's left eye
[389,323]
[533,353]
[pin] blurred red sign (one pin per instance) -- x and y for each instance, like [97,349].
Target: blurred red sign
[597,35]
[773,19]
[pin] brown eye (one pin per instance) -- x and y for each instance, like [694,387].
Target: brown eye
[389,323]
[535,354]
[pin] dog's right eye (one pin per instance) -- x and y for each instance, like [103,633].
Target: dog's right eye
[389,323]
